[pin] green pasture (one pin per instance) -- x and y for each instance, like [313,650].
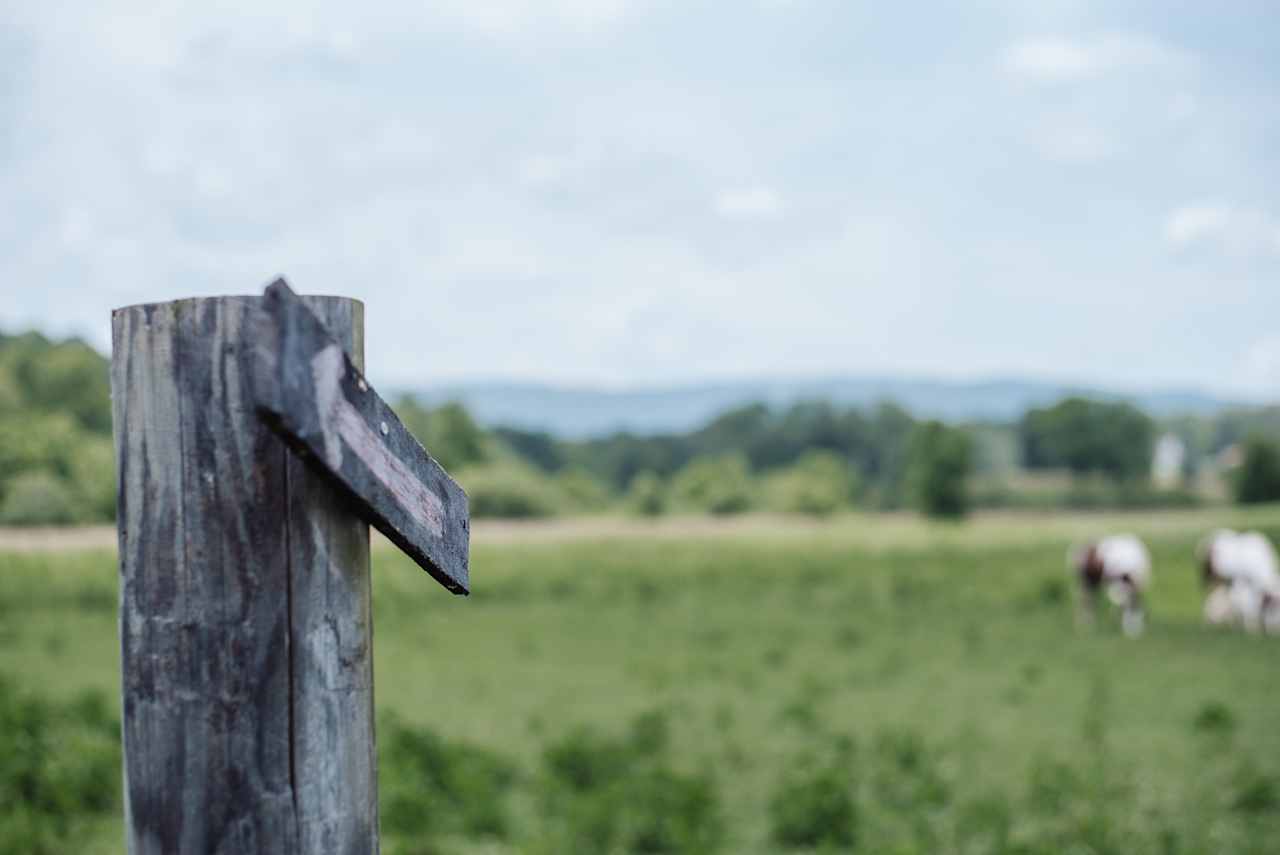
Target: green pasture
[867,683]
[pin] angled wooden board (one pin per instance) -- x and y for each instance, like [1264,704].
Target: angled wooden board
[307,389]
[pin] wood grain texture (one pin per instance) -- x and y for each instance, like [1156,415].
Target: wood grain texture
[331,643]
[244,603]
[309,391]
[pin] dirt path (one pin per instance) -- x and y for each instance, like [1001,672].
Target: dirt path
[78,539]
[868,530]
[91,538]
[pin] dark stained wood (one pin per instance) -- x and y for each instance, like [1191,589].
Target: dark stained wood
[244,602]
[335,772]
[308,390]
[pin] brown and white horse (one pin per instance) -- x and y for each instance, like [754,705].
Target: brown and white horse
[1119,565]
[1242,575]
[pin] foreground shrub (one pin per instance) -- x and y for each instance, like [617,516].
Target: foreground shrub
[606,794]
[1255,791]
[907,774]
[814,808]
[59,765]
[430,785]
[1214,717]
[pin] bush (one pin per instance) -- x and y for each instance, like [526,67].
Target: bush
[719,485]
[1255,792]
[39,498]
[647,495]
[1259,477]
[74,378]
[582,491]
[584,761]
[10,395]
[37,441]
[814,808]
[1051,491]
[1214,717]
[511,491]
[617,794]
[939,466]
[818,484]
[908,774]
[93,475]
[448,432]
[59,765]
[1111,438]
[433,786]
[669,812]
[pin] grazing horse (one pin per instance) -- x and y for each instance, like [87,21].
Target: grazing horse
[1121,565]
[1242,575]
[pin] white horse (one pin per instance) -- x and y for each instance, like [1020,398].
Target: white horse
[1242,573]
[1120,565]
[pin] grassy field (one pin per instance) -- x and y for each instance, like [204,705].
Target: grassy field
[871,683]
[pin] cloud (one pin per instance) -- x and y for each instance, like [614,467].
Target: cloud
[1193,223]
[1073,143]
[748,203]
[586,189]
[1235,230]
[1058,59]
[1259,372]
[508,17]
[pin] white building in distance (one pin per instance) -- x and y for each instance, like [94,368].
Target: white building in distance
[1167,462]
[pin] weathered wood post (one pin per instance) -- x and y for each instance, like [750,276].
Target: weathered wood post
[246,482]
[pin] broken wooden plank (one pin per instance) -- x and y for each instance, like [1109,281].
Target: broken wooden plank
[309,391]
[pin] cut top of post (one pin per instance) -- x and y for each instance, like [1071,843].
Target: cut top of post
[311,393]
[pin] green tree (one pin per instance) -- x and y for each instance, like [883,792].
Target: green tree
[68,377]
[1085,436]
[885,464]
[39,498]
[509,489]
[619,458]
[74,378]
[537,447]
[720,485]
[742,430]
[93,477]
[1259,477]
[940,463]
[582,491]
[447,432]
[11,400]
[819,483]
[34,440]
[647,494]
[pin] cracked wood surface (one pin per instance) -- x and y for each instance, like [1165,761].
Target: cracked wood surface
[245,624]
[309,391]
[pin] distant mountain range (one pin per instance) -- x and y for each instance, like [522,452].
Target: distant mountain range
[575,412]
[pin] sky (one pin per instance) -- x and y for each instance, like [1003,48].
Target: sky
[623,192]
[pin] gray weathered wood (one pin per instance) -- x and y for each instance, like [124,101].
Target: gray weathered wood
[244,602]
[310,392]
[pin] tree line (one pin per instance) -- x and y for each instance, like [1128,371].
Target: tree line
[813,457]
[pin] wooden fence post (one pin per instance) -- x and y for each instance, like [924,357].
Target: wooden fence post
[245,621]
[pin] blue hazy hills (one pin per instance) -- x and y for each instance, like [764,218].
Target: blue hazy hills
[582,411]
